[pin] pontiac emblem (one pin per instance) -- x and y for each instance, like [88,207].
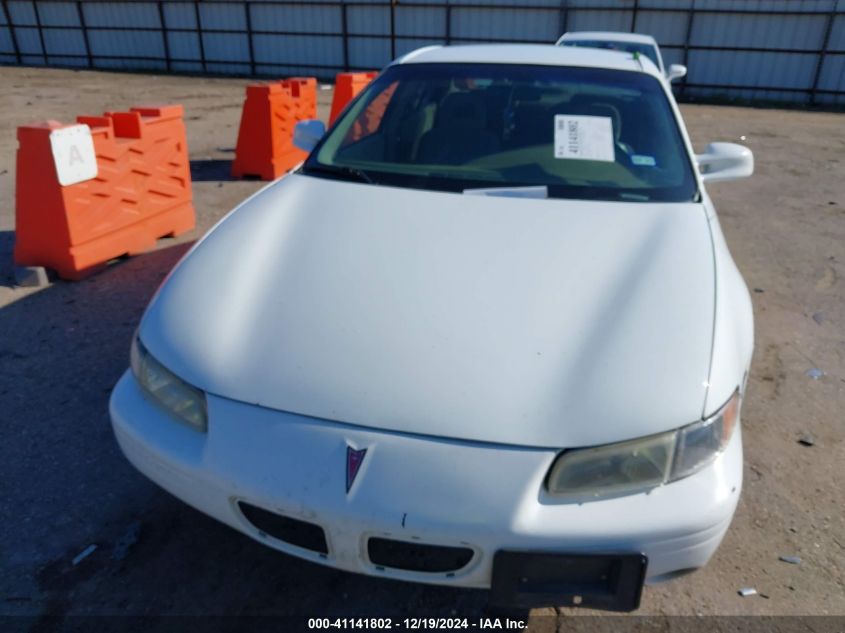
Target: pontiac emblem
[354,459]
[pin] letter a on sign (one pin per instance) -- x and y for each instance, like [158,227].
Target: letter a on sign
[73,154]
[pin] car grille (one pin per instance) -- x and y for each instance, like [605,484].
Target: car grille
[417,556]
[292,531]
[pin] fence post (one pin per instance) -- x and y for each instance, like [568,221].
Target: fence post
[199,34]
[164,40]
[634,16]
[84,27]
[564,17]
[448,22]
[248,16]
[41,34]
[392,30]
[822,51]
[12,34]
[344,22]
[690,20]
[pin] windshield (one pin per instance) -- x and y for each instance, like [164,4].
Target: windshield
[578,132]
[626,47]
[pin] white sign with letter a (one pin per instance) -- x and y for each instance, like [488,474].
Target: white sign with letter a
[73,154]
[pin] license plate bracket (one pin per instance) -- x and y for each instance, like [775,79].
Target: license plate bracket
[612,582]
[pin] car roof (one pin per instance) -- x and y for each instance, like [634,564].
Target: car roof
[608,36]
[530,54]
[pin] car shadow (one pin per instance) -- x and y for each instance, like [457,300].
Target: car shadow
[212,170]
[7,265]
[62,349]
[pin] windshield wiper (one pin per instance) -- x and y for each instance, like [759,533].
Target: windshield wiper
[634,197]
[530,191]
[348,173]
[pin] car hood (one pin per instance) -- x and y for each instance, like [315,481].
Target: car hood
[535,322]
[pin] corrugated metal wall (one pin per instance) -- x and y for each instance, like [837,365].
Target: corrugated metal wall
[751,49]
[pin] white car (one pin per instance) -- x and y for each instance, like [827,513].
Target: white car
[624,42]
[488,335]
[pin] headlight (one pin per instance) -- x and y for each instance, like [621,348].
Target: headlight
[616,469]
[180,399]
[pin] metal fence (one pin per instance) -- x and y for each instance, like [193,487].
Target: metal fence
[748,49]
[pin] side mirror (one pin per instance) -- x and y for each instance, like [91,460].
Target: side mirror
[725,161]
[306,134]
[676,71]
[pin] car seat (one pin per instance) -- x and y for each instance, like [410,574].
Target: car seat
[460,132]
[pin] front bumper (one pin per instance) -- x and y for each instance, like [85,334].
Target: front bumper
[414,489]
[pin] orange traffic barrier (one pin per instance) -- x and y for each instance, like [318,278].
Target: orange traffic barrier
[141,192]
[265,138]
[346,87]
[304,92]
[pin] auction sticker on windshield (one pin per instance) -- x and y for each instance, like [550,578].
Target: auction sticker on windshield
[584,137]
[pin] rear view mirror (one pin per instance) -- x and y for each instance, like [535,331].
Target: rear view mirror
[676,71]
[306,134]
[725,161]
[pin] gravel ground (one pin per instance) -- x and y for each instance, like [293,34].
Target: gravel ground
[65,485]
